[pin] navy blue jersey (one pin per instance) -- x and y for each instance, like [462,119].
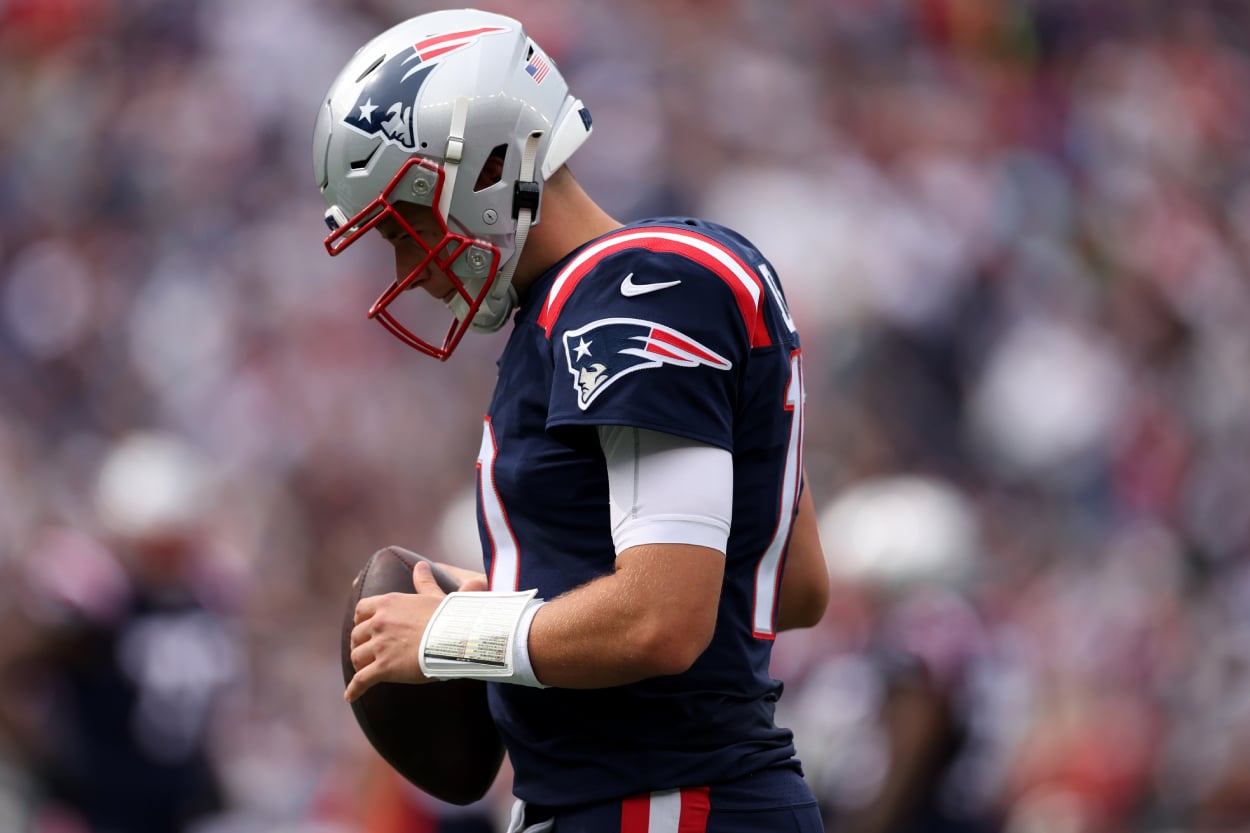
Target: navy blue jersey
[670,325]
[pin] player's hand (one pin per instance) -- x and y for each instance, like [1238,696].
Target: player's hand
[386,637]
[468,579]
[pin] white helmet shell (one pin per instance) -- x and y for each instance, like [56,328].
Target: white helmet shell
[453,89]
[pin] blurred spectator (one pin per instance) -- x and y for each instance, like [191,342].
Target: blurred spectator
[134,651]
[899,696]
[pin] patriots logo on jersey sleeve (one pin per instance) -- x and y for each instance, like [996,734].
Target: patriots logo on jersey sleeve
[384,107]
[611,348]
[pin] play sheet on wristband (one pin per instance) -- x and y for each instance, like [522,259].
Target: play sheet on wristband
[472,633]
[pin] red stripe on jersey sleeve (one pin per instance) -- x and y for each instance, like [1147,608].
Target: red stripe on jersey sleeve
[672,241]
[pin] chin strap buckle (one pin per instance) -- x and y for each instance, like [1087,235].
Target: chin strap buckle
[525,196]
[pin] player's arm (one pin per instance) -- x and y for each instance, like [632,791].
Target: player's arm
[678,584]
[670,505]
[655,614]
[805,581]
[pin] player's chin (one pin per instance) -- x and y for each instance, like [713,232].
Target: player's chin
[437,286]
[446,292]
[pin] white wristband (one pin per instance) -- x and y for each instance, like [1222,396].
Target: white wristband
[481,635]
[524,673]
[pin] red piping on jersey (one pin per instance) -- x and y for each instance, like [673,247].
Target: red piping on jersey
[688,245]
[800,414]
[490,533]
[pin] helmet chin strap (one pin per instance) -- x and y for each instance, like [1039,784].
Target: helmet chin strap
[453,155]
[498,305]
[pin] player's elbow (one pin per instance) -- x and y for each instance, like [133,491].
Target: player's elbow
[804,605]
[805,582]
[670,595]
[671,644]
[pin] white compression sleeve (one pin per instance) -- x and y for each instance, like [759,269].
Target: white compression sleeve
[666,489]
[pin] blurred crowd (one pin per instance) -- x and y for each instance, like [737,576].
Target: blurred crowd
[1015,235]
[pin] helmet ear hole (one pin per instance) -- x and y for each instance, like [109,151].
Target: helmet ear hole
[492,169]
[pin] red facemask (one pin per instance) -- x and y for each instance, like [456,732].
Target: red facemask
[441,256]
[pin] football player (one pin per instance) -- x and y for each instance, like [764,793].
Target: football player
[641,508]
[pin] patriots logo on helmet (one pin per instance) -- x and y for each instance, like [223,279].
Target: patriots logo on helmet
[384,106]
[611,348]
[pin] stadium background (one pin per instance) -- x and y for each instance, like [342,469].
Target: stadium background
[1015,235]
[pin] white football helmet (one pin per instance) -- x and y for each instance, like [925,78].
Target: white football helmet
[414,117]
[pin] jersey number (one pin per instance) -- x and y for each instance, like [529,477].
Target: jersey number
[768,572]
[775,291]
[502,545]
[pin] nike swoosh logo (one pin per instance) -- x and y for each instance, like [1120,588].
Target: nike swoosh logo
[630,289]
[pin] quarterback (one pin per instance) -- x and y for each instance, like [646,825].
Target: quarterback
[644,524]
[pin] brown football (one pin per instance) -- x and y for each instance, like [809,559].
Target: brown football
[438,735]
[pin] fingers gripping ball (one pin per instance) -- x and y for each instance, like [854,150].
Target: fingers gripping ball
[438,735]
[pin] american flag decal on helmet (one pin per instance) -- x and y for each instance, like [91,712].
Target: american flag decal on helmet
[610,348]
[538,67]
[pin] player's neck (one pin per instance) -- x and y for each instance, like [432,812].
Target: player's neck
[570,219]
